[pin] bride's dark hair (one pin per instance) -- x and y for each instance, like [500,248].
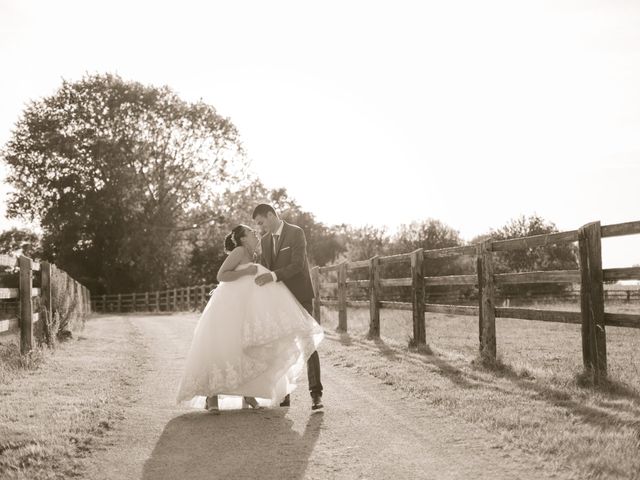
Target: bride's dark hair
[232,240]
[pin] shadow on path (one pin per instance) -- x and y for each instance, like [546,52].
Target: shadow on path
[425,356]
[234,444]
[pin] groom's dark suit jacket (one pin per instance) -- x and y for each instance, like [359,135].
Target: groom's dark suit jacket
[290,262]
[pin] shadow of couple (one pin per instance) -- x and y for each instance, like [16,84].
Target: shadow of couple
[235,444]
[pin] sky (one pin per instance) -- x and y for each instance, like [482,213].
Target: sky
[379,113]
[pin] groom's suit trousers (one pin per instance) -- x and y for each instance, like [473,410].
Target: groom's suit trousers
[313,364]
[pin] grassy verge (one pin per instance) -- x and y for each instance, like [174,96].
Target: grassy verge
[53,416]
[533,398]
[13,365]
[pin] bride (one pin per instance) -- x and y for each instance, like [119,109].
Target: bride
[250,341]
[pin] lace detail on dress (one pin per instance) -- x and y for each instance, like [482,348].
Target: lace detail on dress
[249,340]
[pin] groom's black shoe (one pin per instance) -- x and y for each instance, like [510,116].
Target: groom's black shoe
[316,401]
[286,402]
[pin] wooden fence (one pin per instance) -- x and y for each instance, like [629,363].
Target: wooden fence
[171,300]
[30,273]
[456,296]
[590,276]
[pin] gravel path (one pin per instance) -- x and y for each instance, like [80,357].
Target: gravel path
[366,431]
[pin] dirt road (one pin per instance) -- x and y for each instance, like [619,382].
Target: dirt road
[366,431]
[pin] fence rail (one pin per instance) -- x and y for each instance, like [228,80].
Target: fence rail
[591,277]
[170,300]
[30,272]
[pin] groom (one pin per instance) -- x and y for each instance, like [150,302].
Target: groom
[284,252]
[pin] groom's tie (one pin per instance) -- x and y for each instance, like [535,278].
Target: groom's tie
[275,244]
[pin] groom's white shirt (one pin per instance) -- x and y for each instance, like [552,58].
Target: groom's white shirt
[279,233]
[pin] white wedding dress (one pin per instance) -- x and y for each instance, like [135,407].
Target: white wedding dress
[249,341]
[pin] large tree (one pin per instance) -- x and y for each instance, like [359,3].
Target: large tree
[429,234]
[562,256]
[432,234]
[364,242]
[552,257]
[114,171]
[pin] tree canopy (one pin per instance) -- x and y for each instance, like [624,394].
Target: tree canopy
[550,257]
[135,189]
[112,170]
[235,206]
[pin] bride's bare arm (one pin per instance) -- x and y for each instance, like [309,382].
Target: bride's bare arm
[227,273]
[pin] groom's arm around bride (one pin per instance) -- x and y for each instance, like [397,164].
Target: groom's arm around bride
[284,252]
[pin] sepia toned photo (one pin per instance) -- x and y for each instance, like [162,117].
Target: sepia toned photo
[355,240]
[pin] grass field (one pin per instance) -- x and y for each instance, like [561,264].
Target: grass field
[533,399]
[544,349]
[55,407]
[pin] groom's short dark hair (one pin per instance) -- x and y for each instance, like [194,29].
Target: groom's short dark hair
[262,210]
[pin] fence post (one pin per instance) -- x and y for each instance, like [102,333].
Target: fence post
[26,305]
[486,296]
[133,302]
[374,297]
[46,298]
[594,345]
[104,303]
[83,299]
[76,294]
[203,302]
[157,300]
[189,299]
[342,297]
[417,297]
[315,281]
[146,301]
[175,300]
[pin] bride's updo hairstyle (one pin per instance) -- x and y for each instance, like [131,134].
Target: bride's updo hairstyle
[232,240]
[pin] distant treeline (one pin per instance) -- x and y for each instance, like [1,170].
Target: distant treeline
[134,189]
